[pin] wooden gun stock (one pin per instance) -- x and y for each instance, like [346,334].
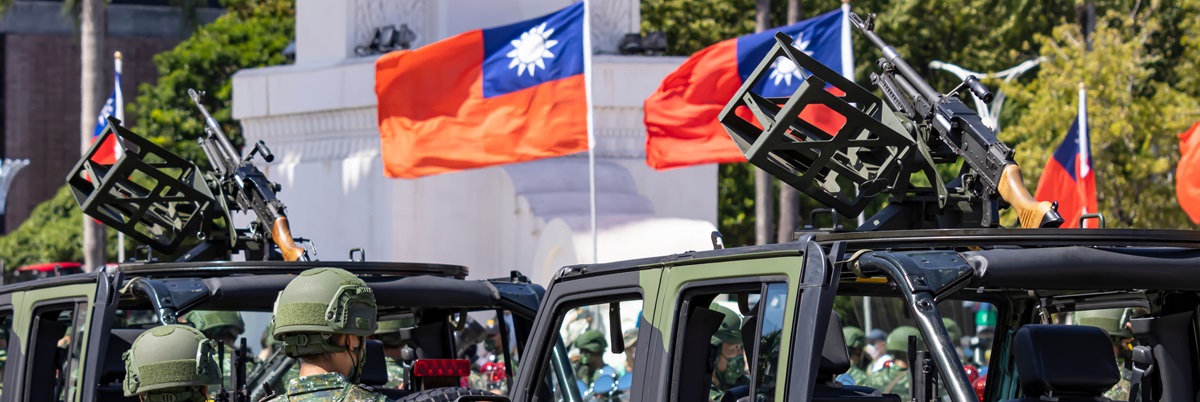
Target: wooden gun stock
[1031,212]
[281,234]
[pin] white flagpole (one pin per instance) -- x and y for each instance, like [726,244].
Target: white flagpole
[591,129]
[847,50]
[1084,146]
[119,113]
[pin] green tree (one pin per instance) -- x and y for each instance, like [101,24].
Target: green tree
[1132,118]
[251,34]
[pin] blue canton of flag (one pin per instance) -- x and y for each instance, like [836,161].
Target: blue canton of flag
[819,37]
[532,52]
[114,106]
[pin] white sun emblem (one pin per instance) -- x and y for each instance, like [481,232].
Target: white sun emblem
[783,69]
[531,51]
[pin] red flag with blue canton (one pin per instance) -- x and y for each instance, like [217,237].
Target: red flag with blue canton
[114,106]
[681,116]
[485,97]
[1068,177]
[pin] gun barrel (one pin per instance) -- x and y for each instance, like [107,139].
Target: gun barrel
[890,54]
[225,147]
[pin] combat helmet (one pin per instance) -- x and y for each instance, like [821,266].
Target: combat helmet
[1111,321]
[389,331]
[730,330]
[171,359]
[217,324]
[319,303]
[855,337]
[897,341]
[592,341]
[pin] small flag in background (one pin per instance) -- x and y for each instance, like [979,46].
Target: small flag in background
[1068,177]
[114,106]
[486,97]
[1187,173]
[681,116]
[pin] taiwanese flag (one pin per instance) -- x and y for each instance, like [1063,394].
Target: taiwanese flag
[486,97]
[681,116]
[114,106]
[1187,174]
[1068,177]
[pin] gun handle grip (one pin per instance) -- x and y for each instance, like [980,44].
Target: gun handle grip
[281,234]
[1031,212]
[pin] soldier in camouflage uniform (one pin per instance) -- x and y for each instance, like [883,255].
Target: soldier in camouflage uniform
[323,318]
[490,375]
[591,345]
[389,334]
[162,365]
[223,327]
[856,342]
[1116,323]
[893,378]
[730,366]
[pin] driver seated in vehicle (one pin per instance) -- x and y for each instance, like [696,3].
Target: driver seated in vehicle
[729,368]
[591,366]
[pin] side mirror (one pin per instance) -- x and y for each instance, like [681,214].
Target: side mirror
[481,398]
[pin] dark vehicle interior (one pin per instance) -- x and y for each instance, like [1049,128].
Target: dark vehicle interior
[441,317]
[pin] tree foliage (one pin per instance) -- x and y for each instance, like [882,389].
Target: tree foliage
[252,33]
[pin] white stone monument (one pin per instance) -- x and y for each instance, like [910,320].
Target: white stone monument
[319,118]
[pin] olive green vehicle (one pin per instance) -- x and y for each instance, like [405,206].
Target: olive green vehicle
[934,262]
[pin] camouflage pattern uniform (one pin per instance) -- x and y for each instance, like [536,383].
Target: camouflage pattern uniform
[389,334]
[893,378]
[734,375]
[1120,392]
[327,387]
[856,340]
[590,342]
[170,363]
[395,371]
[1114,322]
[301,323]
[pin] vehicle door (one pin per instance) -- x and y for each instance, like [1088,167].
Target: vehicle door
[10,346]
[594,339]
[53,331]
[781,297]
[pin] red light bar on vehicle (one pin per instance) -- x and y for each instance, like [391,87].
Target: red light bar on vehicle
[441,368]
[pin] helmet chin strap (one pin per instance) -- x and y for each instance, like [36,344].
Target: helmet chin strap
[356,358]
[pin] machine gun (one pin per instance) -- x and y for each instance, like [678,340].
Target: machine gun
[269,373]
[166,202]
[880,146]
[240,356]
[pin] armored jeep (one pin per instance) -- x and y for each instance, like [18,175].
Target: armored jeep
[934,261]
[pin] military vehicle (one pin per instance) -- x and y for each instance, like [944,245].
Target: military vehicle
[936,251]
[63,336]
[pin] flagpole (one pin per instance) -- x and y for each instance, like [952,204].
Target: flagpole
[1084,150]
[119,111]
[591,129]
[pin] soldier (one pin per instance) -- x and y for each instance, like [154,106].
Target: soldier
[877,349]
[729,369]
[323,317]
[591,366]
[1116,323]
[491,374]
[223,327]
[893,377]
[393,345]
[856,342]
[162,365]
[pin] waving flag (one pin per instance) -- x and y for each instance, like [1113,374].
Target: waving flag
[114,106]
[486,97]
[681,116]
[1187,173]
[1068,177]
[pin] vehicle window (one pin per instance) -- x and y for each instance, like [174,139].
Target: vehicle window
[490,344]
[771,309]
[584,364]
[5,328]
[717,360]
[54,358]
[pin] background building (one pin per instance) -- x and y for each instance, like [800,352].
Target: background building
[319,118]
[40,91]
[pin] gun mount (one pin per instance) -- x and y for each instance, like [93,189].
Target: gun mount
[171,205]
[878,147]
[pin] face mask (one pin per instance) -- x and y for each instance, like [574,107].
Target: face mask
[735,368]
